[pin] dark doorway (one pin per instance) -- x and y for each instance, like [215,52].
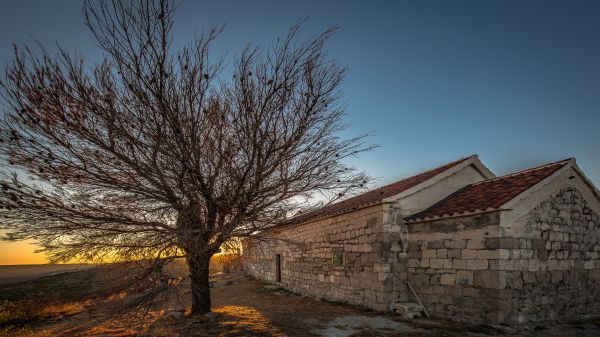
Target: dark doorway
[278,268]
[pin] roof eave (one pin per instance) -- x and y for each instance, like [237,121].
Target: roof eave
[333,214]
[472,160]
[456,215]
[512,203]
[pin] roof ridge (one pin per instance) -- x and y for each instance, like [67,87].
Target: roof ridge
[489,194]
[453,163]
[377,194]
[523,171]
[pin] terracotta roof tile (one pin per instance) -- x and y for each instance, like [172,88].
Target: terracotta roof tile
[375,195]
[488,194]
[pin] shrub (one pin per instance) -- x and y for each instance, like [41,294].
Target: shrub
[16,316]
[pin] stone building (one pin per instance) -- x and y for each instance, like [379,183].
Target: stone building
[517,248]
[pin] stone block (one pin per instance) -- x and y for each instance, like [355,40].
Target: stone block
[491,279]
[526,254]
[407,310]
[477,264]
[415,254]
[442,253]
[543,277]
[514,280]
[475,244]
[469,254]
[529,277]
[448,279]
[538,244]
[455,292]
[459,264]
[534,265]
[383,276]
[413,245]
[506,264]
[436,263]
[439,290]
[414,263]
[464,277]
[381,267]
[493,254]
[485,254]
[429,254]
[435,244]
[458,244]
[501,243]
[454,253]
[420,280]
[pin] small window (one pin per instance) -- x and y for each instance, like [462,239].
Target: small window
[337,257]
[278,268]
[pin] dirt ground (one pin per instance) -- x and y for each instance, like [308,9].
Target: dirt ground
[246,307]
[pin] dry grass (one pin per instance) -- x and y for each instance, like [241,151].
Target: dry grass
[50,299]
[242,306]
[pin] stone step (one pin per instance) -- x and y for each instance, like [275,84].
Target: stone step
[407,309]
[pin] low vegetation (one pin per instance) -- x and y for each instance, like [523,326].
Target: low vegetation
[79,304]
[50,298]
[27,304]
[16,316]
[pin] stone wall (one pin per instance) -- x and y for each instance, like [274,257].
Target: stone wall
[307,258]
[547,269]
[544,266]
[553,269]
[451,266]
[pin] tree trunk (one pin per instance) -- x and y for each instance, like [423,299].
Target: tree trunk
[195,240]
[198,264]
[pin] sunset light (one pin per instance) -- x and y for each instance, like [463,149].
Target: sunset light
[300,168]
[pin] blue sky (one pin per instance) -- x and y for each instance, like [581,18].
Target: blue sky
[517,82]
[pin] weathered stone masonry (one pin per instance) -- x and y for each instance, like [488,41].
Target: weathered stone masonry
[450,265]
[466,268]
[307,267]
[534,256]
[553,270]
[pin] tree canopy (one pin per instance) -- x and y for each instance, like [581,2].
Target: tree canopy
[156,152]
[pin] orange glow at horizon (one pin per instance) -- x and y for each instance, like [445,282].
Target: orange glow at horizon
[20,252]
[23,252]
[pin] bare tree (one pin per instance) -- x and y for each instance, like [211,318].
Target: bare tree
[155,153]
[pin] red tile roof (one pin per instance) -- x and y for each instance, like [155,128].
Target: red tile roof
[375,195]
[488,194]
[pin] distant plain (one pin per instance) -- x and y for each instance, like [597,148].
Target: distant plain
[18,273]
